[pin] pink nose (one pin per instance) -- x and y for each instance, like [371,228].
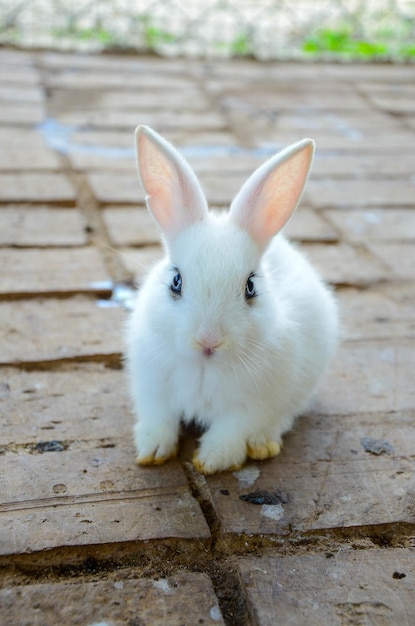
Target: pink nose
[208,343]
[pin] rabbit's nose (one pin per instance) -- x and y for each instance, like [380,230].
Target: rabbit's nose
[208,342]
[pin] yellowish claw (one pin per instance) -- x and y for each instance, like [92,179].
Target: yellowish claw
[208,471]
[263,451]
[151,459]
[200,466]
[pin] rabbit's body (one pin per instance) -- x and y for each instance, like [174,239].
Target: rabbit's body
[230,332]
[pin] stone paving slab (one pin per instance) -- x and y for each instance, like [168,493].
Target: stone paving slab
[139,261]
[26,74]
[180,600]
[53,271]
[84,401]
[130,226]
[202,141]
[163,120]
[38,187]
[348,122]
[55,60]
[322,479]
[39,330]
[262,131]
[369,376]
[353,194]
[122,188]
[82,160]
[399,258]
[307,225]
[385,313]
[344,265]
[220,190]
[349,587]
[22,114]
[145,101]
[97,495]
[369,73]
[334,98]
[395,141]
[22,93]
[360,165]
[25,150]
[374,224]
[305,75]
[399,100]
[89,79]
[41,226]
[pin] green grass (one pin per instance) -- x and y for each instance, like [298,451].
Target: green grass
[342,44]
[393,41]
[153,35]
[97,35]
[241,45]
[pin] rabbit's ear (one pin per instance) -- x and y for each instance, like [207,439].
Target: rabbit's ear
[173,194]
[270,196]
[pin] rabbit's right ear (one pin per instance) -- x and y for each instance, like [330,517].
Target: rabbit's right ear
[270,196]
[173,194]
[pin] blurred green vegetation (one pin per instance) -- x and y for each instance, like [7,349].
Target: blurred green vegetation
[362,31]
[344,44]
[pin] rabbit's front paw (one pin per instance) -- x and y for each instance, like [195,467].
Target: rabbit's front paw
[154,448]
[154,458]
[218,453]
[208,467]
[264,450]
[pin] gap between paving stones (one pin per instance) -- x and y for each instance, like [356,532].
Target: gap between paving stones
[95,223]
[162,560]
[220,545]
[110,360]
[157,562]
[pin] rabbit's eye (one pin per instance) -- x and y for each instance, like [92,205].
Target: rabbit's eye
[250,288]
[176,284]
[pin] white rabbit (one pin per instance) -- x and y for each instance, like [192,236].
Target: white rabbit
[233,328]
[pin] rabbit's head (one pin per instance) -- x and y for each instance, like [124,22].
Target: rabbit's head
[212,293]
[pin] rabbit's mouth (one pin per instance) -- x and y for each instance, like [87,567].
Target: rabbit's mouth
[208,343]
[208,352]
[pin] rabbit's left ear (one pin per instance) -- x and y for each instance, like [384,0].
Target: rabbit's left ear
[173,194]
[270,196]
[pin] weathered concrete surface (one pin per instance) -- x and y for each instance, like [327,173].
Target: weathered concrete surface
[323,479]
[148,602]
[28,226]
[80,522]
[94,496]
[39,330]
[77,402]
[36,187]
[354,587]
[33,271]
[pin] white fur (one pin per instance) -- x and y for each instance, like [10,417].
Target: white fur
[266,354]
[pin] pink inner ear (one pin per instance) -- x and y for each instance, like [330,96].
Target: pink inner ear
[269,198]
[157,177]
[279,197]
[174,196]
